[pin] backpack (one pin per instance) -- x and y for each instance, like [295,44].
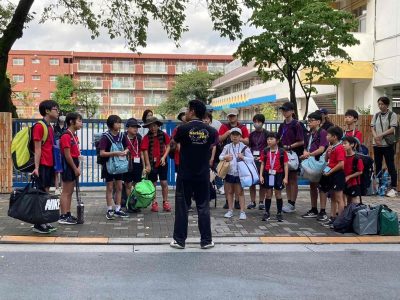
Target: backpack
[96,142]
[142,195]
[116,164]
[396,129]
[281,156]
[365,179]
[361,148]
[344,222]
[22,148]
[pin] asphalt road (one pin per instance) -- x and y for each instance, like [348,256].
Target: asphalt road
[227,272]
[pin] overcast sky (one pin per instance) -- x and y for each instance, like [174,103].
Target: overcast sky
[200,39]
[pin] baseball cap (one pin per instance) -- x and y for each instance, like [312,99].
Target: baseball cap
[323,111]
[132,122]
[232,112]
[287,106]
[236,129]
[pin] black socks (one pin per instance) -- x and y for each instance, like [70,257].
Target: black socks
[279,204]
[292,202]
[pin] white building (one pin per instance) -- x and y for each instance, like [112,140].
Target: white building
[374,71]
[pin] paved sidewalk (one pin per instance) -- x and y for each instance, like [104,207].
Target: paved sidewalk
[148,225]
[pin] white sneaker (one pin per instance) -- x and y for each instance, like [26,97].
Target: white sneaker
[221,190]
[288,208]
[242,216]
[229,214]
[392,193]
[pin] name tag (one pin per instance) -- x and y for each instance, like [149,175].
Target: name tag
[256,153]
[136,160]
[272,172]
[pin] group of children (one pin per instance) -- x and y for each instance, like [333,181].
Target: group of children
[270,151]
[147,156]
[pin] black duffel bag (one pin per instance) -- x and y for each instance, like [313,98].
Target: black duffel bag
[34,206]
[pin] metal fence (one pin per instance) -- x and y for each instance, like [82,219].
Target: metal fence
[90,170]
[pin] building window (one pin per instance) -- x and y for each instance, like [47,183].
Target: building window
[18,78]
[155,84]
[154,98]
[126,98]
[123,83]
[99,97]
[246,84]
[120,66]
[54,62]
[67,60]
[35,77]
[87,65]
[361,15]
[155,67]
[53,78]
[97,81]
[18,61]
[35,61]
[237,87]
[36,95]
[183,67]
[214,67]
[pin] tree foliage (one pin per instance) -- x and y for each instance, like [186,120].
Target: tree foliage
[128,19]
[86,99]
[297,35]
[269,111]
[191,85]
[64,94]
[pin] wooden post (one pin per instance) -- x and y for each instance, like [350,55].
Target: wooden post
[6,166]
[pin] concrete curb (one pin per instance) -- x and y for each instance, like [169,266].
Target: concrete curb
[15,239]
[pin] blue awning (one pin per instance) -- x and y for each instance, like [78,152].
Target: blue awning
[249,102]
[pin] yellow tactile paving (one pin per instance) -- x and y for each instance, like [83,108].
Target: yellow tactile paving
[335,240]
[28,239]
[379,239]
[285,240]
[81,240]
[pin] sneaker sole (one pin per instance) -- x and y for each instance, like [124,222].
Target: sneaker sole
[41,232]
[289,212]
[111,218]
[207,247]
[175,246]
[309,217]
[66,223]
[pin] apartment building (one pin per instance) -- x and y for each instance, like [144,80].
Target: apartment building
[374,71]
[125,84]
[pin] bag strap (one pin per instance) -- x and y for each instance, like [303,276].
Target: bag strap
[281,158]
[45,130]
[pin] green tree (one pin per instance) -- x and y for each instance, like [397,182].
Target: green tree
[128,19]
[297,35]
[191,85]
[269,111]
[86,99]
[64,94]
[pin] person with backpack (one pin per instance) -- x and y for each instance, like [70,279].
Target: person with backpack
[196,139]
[155,147]
[385,130]
[316,143]
[291,136]
[353,169]
[274,172]
[113,150]
[135,155]
[44,160]
[224,138]
[257,143]
[333,178]
[232,152]
[70,152]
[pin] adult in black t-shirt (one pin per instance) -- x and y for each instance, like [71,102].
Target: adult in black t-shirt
[195,139]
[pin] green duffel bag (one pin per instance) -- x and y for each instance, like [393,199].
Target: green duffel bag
[143,193]
[388,221]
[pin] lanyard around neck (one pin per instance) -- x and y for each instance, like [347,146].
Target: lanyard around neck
[272,162]
[135,150]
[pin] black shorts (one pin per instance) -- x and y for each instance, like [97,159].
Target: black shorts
[160,173]
[352,191]
[335,182]
[278,184]
[68,174]
[232,179]
[46,177]
[109,177]
[135,175]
